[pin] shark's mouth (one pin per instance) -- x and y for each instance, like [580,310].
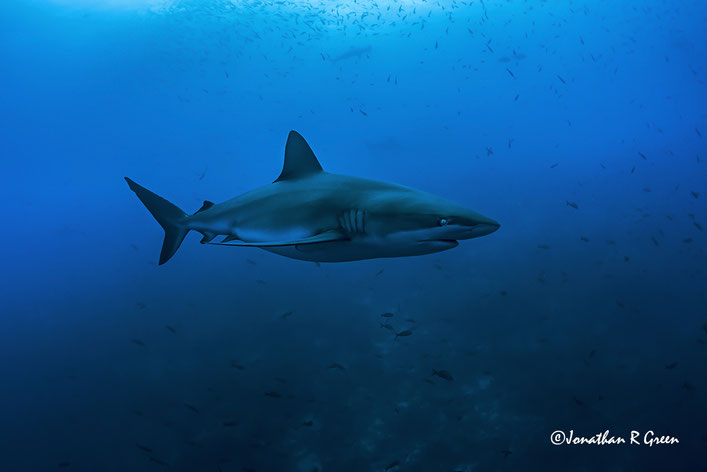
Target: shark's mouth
[441,242]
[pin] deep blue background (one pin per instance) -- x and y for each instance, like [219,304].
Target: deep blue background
[511,108]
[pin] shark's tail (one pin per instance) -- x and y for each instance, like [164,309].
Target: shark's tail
[169,216]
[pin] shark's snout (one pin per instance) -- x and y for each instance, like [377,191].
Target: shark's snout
[482,229]
[479,226]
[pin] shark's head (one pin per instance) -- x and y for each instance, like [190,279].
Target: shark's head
[417,217]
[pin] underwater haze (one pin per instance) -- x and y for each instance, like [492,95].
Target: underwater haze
[580,126]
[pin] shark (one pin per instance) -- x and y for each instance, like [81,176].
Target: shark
[313,215]
[356,52]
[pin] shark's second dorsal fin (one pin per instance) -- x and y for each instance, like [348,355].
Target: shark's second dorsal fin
[299,159]
[207,204]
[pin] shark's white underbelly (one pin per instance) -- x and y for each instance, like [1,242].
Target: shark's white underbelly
[356,250]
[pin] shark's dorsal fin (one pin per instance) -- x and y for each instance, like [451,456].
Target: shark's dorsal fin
[207,204]
[299,159]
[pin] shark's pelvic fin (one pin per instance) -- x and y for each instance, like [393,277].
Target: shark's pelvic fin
[300,161]
[169,216]
[324,237]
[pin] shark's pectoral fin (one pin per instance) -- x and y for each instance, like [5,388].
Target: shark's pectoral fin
[324,237]
[324,246]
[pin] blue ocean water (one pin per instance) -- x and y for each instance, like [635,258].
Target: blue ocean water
[578,125]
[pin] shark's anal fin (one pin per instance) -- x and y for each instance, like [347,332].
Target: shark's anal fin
[300,161]
[326,236]
[207,237]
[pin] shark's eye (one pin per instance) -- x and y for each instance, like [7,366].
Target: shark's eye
[443,221]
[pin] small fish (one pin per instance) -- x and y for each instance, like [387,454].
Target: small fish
[387,326]
[506,453]
[443,374]
[261,282]
[391,465]
[562,80]
[64,464]
[307,423]
[695,194]
[273,394]
[671,366]
[286,315]
[511,73]
[572,204]
[688,386]
[236,365]
[543,246]
[141,305]
[137,342]
[403,333]
[170,329]
[553,166]
[387,315]
[336,365]
[687,240]
[363,112]
[158,461]
[379,272]
[643,156]
[143,448]
[191,408]
[698,132]
[620,304]
[489,151]
[250,261]
[585,239]
[230,424]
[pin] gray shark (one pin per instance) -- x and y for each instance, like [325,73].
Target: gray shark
[353,52]
[312,215]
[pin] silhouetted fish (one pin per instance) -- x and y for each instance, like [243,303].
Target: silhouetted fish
[191,408]
[442,374]
[143,448]
[403,333]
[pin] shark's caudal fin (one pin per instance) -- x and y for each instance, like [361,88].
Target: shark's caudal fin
[169,216]
[300,161]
